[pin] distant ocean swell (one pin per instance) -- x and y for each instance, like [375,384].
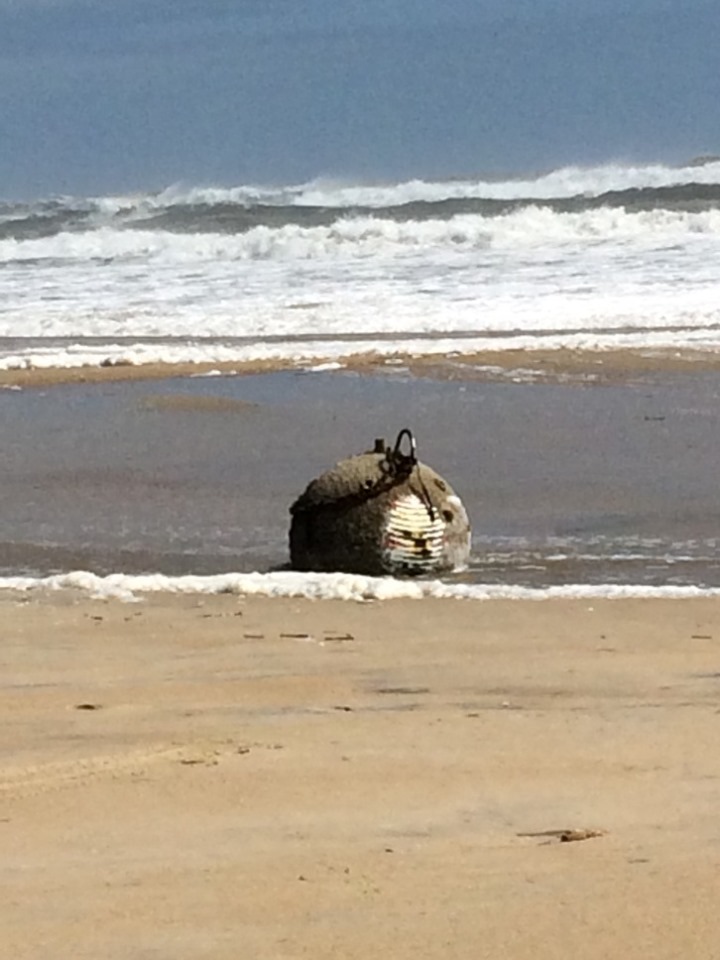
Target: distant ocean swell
[574,257]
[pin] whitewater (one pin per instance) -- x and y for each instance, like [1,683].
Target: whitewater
[334,586]
[598,258]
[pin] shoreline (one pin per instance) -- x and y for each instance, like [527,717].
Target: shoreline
[543,366]
[330,587]
[190,774]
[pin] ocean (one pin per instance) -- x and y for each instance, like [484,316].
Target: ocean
[573,487]
[612,256]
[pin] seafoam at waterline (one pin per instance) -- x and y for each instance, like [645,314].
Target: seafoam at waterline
[322,355]
[333,586]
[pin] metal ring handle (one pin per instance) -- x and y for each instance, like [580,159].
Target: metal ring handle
[410,457]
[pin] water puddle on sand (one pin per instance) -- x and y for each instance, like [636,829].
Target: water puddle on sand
[564,483]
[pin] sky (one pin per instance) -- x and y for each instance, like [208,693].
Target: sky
[110,96]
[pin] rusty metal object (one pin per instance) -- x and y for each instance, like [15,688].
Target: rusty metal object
[378,513]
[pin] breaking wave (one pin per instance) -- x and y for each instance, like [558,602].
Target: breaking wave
[240,209]
[367,236]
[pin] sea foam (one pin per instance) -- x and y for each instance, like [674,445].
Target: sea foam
[333,586]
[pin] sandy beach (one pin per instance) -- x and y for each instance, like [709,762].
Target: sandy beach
[226,777]
[221,776]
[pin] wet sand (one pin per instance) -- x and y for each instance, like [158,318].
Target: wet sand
[196,475]
[549,366]
[225,778]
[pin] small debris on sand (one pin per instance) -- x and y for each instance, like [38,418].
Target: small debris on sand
[567,835]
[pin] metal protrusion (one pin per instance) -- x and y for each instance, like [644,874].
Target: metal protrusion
[411,440]
[379,445]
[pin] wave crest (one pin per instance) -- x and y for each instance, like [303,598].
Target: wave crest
[365,237]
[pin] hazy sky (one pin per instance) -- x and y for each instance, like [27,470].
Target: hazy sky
[101,96]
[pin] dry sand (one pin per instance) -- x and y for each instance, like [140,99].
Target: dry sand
[246,778]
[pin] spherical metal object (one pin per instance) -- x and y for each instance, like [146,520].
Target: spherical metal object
[378,513]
